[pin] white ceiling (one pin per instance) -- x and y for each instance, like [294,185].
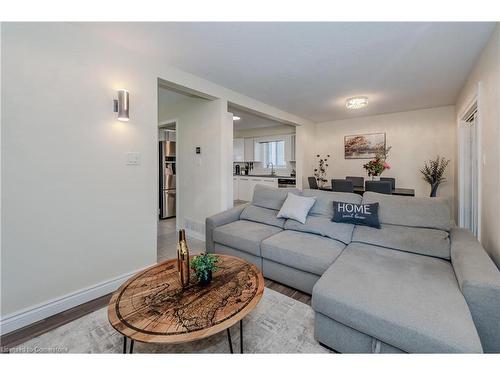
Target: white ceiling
[309,69]
[251,121]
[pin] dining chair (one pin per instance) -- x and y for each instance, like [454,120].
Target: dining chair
[356,181]
[342,185]
[391,180]
[313,184]
[383,187]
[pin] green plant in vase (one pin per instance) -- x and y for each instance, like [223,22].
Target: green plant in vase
[203,265]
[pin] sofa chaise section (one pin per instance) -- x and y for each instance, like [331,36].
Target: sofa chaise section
[394,288]
[397,300]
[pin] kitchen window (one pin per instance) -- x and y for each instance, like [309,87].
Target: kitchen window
[273,152]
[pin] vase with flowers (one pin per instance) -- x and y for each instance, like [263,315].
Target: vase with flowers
[320,172]
[378,164]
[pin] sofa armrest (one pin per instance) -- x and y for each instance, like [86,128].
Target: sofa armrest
[479,281]
[218,220]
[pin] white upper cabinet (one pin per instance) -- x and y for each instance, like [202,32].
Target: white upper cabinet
[249,152]
[288,147]
[257,150]
[238,149]
[293,143]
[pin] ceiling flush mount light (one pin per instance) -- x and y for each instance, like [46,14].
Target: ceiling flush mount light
[236,118]
[121,105]
[356,102]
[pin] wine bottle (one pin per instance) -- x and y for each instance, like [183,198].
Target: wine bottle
[183,259]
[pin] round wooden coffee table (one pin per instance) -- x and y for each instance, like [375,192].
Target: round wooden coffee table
[152,306]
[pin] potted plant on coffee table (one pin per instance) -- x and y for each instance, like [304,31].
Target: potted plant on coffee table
[203,266]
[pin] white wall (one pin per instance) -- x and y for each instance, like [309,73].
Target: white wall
[73,214]
[415,137]
[305,152]
[199,177]
[487,74]
[262,132]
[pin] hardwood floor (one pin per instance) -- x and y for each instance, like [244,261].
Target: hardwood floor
[166,249]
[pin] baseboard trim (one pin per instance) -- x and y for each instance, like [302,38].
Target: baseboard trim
[44,310]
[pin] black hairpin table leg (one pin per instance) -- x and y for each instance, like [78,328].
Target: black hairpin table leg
[131,349]
[131,346]
[241,336]
[229,339]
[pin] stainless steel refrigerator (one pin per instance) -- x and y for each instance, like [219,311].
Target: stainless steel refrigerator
[167,179]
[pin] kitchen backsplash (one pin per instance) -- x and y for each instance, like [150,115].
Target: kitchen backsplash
[259,168]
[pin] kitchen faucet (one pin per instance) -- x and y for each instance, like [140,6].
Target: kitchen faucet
[272,168]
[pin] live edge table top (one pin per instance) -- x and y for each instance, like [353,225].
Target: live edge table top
[153,307]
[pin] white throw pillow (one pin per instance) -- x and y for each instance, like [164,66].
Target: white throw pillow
[296,207]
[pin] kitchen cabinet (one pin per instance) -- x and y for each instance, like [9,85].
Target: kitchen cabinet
[257,153]
[290,147]
[245,185]
[238,149]
[273,182]
[235,188]
[245,191]
[249,154]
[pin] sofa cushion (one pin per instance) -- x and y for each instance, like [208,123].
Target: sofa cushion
[324,201]
[423,212]
[303,251]
[244,235]
[323,226]
[262,215]
[424,241]
[270,197]
[296,207]
[407,300]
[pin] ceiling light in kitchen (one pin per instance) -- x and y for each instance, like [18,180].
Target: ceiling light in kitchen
[236,118]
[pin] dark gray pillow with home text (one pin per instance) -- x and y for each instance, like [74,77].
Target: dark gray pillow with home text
[358,214]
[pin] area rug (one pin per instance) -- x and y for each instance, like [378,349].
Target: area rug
[279,324]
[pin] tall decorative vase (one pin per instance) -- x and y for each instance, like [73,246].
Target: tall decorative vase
[375,178]
[434,188]
[183,259]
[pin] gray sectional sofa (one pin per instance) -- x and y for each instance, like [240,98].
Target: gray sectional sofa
[415,285]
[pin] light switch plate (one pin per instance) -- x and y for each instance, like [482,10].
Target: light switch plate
[133,158]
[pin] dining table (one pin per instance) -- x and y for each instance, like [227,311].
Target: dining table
[360,190]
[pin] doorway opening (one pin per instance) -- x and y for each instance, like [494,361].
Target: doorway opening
[470,170]
[263,153]
[174,107]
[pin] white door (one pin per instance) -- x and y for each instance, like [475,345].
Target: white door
[469,170]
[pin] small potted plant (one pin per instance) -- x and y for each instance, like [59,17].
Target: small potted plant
[203,266]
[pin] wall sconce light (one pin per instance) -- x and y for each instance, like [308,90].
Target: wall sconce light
[121,105]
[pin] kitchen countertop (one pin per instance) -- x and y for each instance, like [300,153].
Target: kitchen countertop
[264,176]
